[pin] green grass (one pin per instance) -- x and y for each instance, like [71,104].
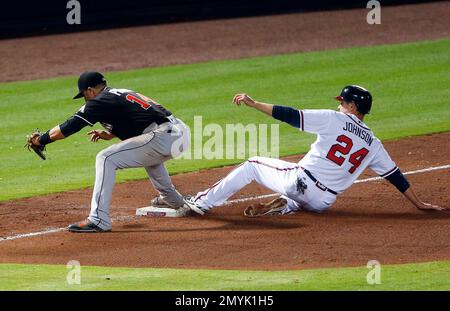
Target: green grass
[422,276]
[409,83]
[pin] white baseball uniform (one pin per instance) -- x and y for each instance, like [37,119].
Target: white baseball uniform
[344,147]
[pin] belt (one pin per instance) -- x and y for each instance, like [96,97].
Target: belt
[162,125]
[318,183]
[171,119]
[168,119]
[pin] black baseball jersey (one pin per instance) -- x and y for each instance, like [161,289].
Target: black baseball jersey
[122,112]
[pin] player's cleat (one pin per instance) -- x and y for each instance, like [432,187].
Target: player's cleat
[159,202]
[86,227]
[274,207]
[184,211]
[190,203]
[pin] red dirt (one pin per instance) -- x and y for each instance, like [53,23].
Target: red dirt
[122,49]
[369,221]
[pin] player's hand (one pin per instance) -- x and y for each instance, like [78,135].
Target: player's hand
[243,98]
[33,144]
[34,138]
[431,207]
[100,134]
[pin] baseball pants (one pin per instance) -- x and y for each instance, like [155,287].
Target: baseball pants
[150,150]
[279,176]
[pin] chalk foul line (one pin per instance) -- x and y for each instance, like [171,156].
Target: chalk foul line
[264,196]
[48,231]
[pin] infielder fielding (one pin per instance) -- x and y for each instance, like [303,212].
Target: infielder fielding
[344,148]
[149,134]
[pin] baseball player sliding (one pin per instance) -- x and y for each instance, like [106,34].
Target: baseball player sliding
[344,148]
[149,134]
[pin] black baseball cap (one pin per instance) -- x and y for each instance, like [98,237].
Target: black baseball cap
[88,79]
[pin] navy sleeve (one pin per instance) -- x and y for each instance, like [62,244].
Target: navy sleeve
[72,125]
[287,114]
[93,111]
[398,180]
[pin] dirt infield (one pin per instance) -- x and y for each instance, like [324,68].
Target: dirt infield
[70,54]
[369,221]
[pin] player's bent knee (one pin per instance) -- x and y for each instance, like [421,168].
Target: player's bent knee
[105,153]
[104,156]
[101,156]
[107,161]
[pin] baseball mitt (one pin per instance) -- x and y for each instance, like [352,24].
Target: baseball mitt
[32,145]
[274,207]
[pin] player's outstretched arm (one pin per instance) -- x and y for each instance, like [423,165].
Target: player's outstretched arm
[281,113]
[56,133]
[49,137]
[412,197]
[402,184]
[61,131]
[248,101]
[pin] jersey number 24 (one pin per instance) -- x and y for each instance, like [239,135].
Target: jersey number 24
[355,158]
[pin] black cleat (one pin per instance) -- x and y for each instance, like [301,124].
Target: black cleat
[86,227]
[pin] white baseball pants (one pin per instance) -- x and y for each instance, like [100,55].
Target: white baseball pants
[280,176]
[149,150]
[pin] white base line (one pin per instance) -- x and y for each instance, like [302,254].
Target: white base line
[48,231]
[27,235]
[264,196]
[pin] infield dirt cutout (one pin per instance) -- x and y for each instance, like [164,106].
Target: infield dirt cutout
[370,221]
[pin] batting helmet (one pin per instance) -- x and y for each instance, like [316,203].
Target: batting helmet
[359,95]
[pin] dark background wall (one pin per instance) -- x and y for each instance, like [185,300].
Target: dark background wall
[41,17]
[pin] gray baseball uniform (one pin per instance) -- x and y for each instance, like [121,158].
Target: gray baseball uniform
[150,136]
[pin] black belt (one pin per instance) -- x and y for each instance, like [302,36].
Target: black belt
[163,120]
[318,183]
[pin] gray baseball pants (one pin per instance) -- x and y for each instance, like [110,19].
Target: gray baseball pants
[150,150]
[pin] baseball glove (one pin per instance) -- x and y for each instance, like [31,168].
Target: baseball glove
[32,146]
[274,207]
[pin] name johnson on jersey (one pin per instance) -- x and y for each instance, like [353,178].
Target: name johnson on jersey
[355,129]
